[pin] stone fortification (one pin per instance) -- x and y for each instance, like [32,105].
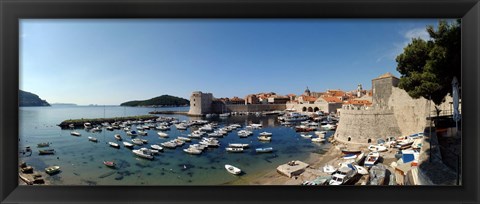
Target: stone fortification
[200,103]
[226,108]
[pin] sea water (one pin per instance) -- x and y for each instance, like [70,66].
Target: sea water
[81,160]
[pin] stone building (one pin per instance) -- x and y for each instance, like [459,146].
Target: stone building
[200,103]
[382,88]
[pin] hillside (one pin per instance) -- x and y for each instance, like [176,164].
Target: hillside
[30,99]
[164,100]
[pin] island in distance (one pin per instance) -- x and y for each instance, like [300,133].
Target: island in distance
[163,100]
[30,99]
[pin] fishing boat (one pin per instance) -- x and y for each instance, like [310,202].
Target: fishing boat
[43,144]
[377,148]
[162,134]
[156,147]
[128,144]
[233,170]
[238,145]
[361,170]
[342,175]
[264,150]
[46,151]
[75,133]
[306,136]
[371,158]
[118,137]
[143,153]
[110,164]
[93,139]
[192,150]
[347,151]
[52,170]
[137,141]
[113,144]
[265,134]
[264,138]
[318,139]
[233,149]
[186,139]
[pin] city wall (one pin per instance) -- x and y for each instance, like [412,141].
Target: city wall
[222,108]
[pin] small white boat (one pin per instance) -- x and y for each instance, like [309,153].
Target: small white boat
[137,141]
[238,145]
[162,134]
[144,141]
[350,156]
[52,169]
[143,133]
[192,151]
[361,170]
[320,134]
[264,150]
[144,153]
[131,133]
[233,149]
[87,125]
[377,148]
[329,169]
[128,144]
[342,175]
[265,134]
[306,136]
[264,138]
[233,170]
[113,144]
[93,139]
[186,139]
[318,139]
[156,147]
[118,137]
[371,158]
[75,133]
[169,144]
[181,126]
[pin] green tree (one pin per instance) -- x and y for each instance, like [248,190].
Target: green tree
[427,67]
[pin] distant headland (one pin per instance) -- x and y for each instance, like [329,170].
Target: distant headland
[30,99]
[160,101]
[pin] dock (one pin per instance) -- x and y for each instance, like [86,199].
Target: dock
[293,168]
[78,123]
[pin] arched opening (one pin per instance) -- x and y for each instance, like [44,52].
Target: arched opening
[369,141]
[310,109]
[304,109]
[316,109]
[349,138]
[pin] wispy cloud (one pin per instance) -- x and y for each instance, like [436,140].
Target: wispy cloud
[397,47]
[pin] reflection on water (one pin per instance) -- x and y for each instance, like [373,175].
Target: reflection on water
[81,161]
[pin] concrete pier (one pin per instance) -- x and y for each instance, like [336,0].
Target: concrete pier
[292,168]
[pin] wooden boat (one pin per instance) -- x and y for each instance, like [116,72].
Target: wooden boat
[109,164]
[264,138]
[118,137]
[192,151]
[238,145]
[46,151]
[93,139]
[233,170]
[128,144]
[75,133]
[264,150]
[52,170]
[372,157]
[303,128]
[143,153]
[233,149]
[346,151]
[162,134]
[43,144]
[113,144]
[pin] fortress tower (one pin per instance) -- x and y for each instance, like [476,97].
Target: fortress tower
[200,103]
[382,89]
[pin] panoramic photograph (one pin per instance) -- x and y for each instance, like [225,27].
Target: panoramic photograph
[204,102]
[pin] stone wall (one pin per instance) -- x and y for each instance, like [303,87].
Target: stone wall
[200,103]
[222,108]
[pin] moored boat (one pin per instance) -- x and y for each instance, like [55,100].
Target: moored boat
[162,134]
[52,170]
[75,133]
[46,151]
[143,153]
[186,139]
[113,144]
[93,139]
[318,139]
[264,150]
[234,149]
[306,136]
[233,170]
[238,145]
[264,138]
[128,144]
[192,150]
[43,144]
[156,147]
[137,141]
[109,164]
[371,158]
[118,137]
[265,134]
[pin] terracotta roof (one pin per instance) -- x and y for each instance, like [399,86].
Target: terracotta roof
[309,98]
[359,102]
[291,95]
[331,99]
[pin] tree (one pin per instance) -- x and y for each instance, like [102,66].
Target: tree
[427,67]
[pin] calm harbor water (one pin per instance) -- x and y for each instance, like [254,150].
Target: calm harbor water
[81,160]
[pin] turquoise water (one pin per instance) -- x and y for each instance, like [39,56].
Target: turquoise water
[81,160]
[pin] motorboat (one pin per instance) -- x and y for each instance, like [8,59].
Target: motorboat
[143,133]
[238,145]
[377,148]
[264,150]
[71,126]
[329,169]
[162,134]
[87,125]
[329,127]
[144,141]
[349,156]
[93,139]
[192,150]
[264,138]
[320,133]
[198,146]
[75,133]
[265,134]
[118,137]
[234,149]
[52,170]
[186,139]
[46,151]
[306,136]
[181,126]
[294,117]
[128,144]
[233,170]
[318,139]
[43,144]
[215,134]
[163,127]
[110,164]
[143,153]
[342,175]
[132,133]
[156,147]
[303,128]
[169,144]
[113,144]
[256,126]
[137,141]
[371,158]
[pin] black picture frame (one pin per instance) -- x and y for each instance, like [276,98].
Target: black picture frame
[13,10]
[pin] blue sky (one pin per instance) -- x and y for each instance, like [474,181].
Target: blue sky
[113,61]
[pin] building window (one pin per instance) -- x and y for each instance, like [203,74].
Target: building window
[349,138]
[369,140]
[193,99]
[193,104]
